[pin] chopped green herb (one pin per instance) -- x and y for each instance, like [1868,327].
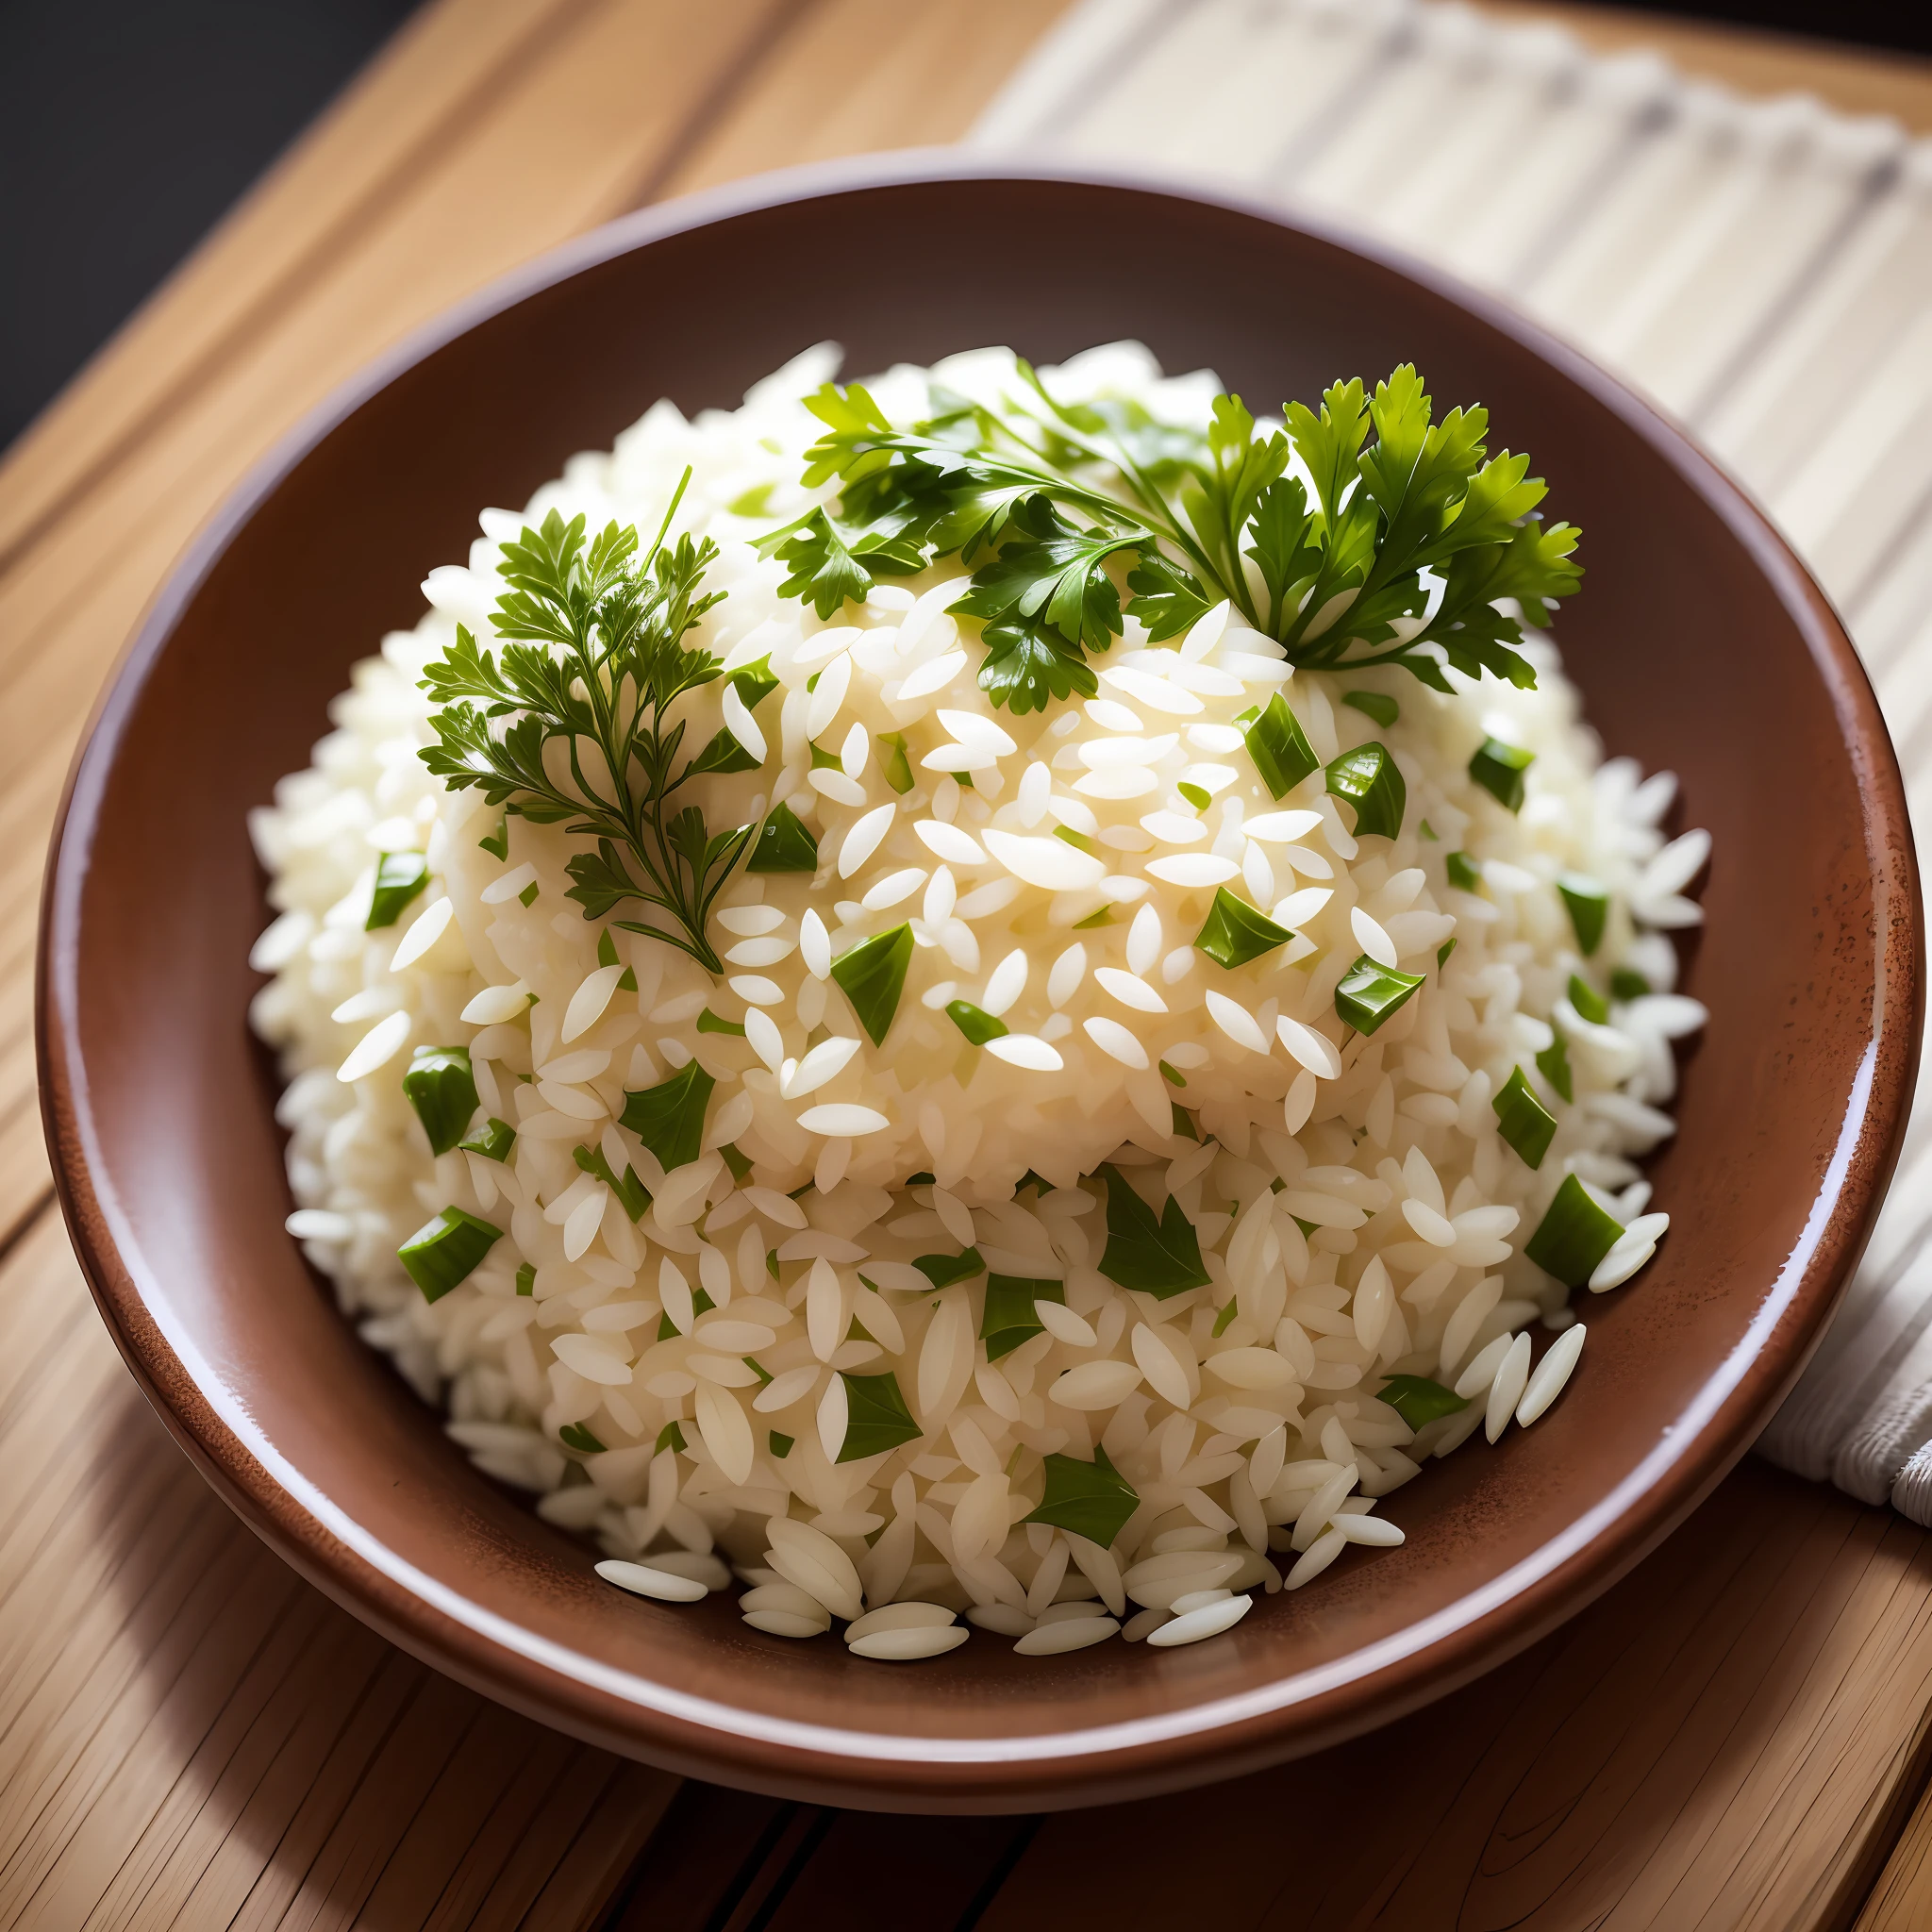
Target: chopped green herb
[753,501]
[722,754]
[1443,951]
[493,1139]
[1104,917]
[1374,703]
[527,1278]
[1196,795]
[1184,1122]
[753,683]
[1225,1320]
[1589,908]
[632,1194]
[442,1089]
[1161,1257]
[528,895]
[736,1161]
[877,1418]
[1172,1075]
[1280,748]
[1419,1401]
[783,844]
[1008,1319]
[781,1445]
[1369,993]
[823,760]
[444,1253]
[1627,984]
[669,1118]
[1089,1499]
[669,1436]
[1523,1120]
[602,619]
[709,1022]
[1234,934]
[1463,873]
[772,1264]
[1368,778]
[1307,1227]
[1498,768]
[1553,1063]
[497,842]
[701,1303]
[944,1270]
[1428,831]
[1573,1236]
[1029,1179]
[872,976]
[974,1022]
[576,1435]
[1078,840]
[764,1374]
[1590,1003]
[399,876]
[924,1178]
[897,766]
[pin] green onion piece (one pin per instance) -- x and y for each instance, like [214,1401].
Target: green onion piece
[444,1253]
[739,1164]
[399,876]
[753,683]
[576,1435]
[1280,748]
[1369,993]
[631,1192]
[763,1374]
[783,844]
[823,760]
[493,1139]
[877,1418]
[781,1445]
[1196,795]
[772,1264]
[1374,703]
[1523,1121]
[1104,917]
[1428,831]
[709,1022]
[1443,951]
[1368,778]
[528,895]
[1008,1319]
[811,683]
[669,1118]
[1573,1236]
[1159,1257]
[1234,934]
[1089,1499]
[897,766]
[974,1022]
[1225,1320]
[1589,908]
[872,976]
[1498,768]
[441,1088]
[1184,1123]
[1419,1401]
[1172,1075]
[1463,873]
[1553,1063]
[723,753]
[944,1270]
[669,1436]
[527,1278]
[1078,840]
[497,843]
[1590,1003]
[1626,984]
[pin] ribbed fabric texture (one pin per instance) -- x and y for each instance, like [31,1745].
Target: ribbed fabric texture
[1761,268]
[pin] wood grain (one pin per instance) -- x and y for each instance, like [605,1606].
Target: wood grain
[191,1737]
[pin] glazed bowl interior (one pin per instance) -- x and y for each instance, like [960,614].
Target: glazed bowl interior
[1700,647]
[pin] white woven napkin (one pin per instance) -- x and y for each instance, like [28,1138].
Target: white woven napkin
[1763,269]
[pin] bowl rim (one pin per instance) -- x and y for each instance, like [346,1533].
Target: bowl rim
[1288,1716]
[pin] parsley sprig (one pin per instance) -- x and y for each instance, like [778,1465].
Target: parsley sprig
[1359,533]
[592,663]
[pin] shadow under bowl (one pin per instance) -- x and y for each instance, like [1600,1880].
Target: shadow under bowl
[1702,647]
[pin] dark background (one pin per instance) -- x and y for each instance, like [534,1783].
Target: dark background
[128,126]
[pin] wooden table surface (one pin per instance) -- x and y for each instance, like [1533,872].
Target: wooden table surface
[191,1737]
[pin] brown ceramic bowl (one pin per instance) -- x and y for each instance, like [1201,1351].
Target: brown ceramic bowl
[1702,645]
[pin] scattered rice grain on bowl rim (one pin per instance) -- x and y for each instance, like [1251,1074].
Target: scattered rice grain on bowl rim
[848,1350]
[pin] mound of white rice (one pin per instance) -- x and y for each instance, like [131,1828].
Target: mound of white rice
[682,1385]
